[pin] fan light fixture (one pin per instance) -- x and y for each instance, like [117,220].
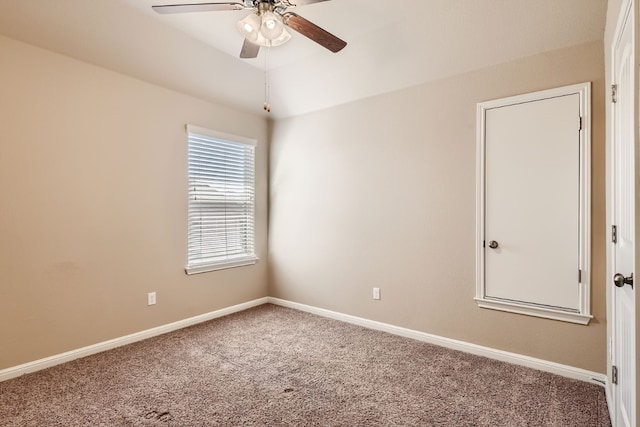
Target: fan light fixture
[265,26]
[266,29]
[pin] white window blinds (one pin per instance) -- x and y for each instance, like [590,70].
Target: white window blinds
[221,201]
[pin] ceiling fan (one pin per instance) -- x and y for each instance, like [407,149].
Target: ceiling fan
[266,25]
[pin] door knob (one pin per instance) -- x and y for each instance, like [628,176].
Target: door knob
[493,244]
[619,280]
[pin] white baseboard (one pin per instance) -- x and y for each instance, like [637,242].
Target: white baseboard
[57,359]
[517,359]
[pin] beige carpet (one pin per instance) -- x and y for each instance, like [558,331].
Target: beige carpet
[272,366]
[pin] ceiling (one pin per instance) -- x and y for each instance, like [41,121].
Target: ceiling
[392,44]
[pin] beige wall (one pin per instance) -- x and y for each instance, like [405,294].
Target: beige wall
[93,210]
[381,192]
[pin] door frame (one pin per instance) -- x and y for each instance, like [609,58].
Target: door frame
[628,8]
[583,316]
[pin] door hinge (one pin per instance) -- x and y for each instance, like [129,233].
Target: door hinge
[580,123]
[614,374]
[614,93]
[614,233]
[579,276]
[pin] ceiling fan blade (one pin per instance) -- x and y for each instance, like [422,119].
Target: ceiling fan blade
[315,33]
[249,50]
[303,2]
[198,7]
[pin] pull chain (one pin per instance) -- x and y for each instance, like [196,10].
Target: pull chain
[267,106]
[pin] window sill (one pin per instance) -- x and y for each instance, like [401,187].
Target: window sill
[222,265]
[533,310]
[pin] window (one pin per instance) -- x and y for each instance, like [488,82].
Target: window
[221,201]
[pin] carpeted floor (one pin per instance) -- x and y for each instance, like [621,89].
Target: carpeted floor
[273,366]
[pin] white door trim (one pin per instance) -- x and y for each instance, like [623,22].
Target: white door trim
[583,315]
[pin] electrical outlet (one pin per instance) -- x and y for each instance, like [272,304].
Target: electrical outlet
[376,293]
[151,298]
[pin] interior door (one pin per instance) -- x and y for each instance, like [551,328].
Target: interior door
[532,190]
[623,219]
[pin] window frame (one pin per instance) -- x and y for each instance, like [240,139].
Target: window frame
[206,264]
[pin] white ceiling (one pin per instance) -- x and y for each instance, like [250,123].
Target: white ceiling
[392,44]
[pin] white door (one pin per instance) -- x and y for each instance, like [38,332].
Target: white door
[532,190]
[623,219]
